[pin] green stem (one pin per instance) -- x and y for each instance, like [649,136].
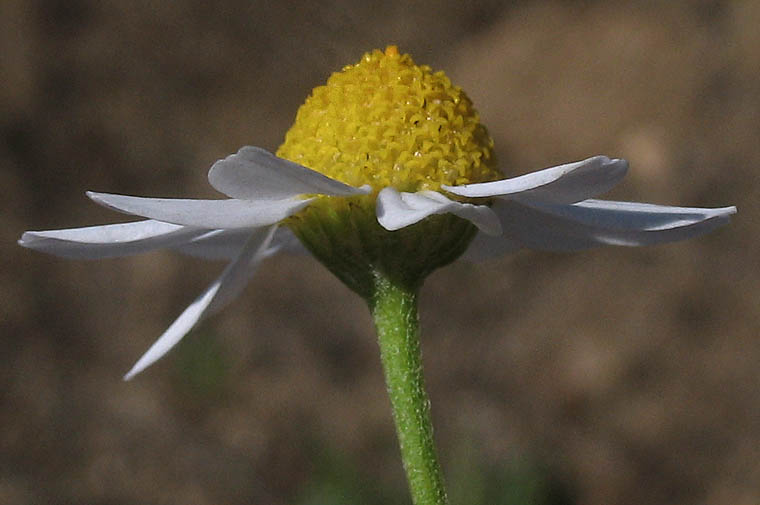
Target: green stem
[394,309]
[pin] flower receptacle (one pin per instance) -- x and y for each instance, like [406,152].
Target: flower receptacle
[344,235]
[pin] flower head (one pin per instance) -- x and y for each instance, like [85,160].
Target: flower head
[386,169]
[387,122]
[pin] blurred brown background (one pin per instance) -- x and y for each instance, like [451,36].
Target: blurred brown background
[631,374]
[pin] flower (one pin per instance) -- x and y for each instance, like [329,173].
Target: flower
[387,166]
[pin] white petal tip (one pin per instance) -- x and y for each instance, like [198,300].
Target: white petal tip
[388,225]
[129,375]
[29,239]
[98,197]
[138,368]
[95,197]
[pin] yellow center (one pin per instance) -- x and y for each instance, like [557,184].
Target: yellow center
[388,122]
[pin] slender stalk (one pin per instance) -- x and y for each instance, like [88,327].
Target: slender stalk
[394,309]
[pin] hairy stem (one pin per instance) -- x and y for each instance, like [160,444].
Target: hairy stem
[394,309]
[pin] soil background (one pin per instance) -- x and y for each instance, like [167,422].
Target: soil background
[631,374]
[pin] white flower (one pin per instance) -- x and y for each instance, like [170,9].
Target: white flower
[551,209]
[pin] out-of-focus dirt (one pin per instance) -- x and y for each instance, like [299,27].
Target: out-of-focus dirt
[634,372]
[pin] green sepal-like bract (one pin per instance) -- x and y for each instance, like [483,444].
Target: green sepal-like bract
[345,236]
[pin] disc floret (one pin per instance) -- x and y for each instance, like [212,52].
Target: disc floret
[387,122]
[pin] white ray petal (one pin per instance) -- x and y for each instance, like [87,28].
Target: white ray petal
[256,174]
[635,215]
[591,224]
[285,241]
[568,183]
[398,210]
[222,291]
[227,244]
[109,241]
[216,244]
[484,247]
[204,213]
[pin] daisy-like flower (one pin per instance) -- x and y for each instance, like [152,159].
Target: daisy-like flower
[386,175]
[386,169]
